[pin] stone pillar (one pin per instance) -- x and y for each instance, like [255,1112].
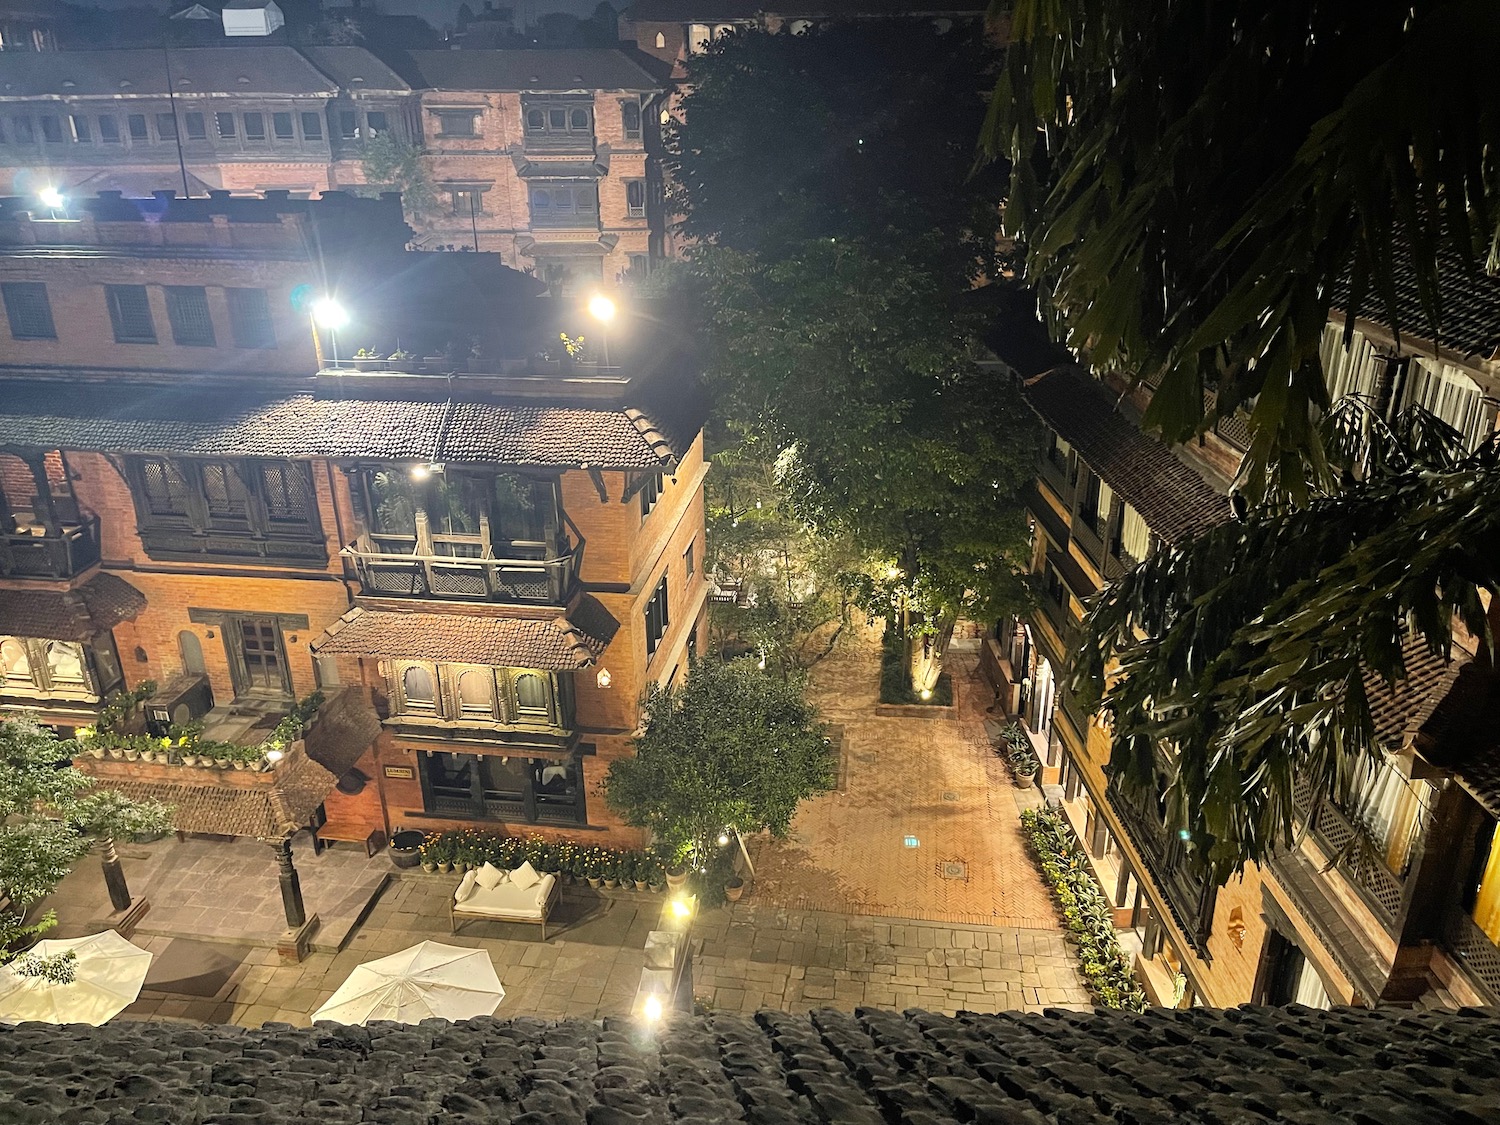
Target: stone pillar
[291,886]
[114,876]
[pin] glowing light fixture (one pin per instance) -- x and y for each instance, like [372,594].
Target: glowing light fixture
[893,572]
[682,907]
[653,1008]
[330,314]
[723,839]
[52,199]
[601,308]
[275,755]
[420,471]
[603,678]
[926,693]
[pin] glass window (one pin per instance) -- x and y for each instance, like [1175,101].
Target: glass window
[467,201]
[378,122]
[557,120]
[25,131]
[688,562]
[65,663]
[187,309]
[348,124]
[630,119]
[456,124]
[578,121]
[130,314]
[651,493]
[15,662]
[136,122]
[109,130]
[165,488]
[80,124]
[635,198]
[28,310]
[255,126]
[250,318]
[476,692]
[224,491]
[656,616]
[52,129]
[532,696]
[417,688]
[224,122]
[287,490]
[194,126]
[281,125]
[312,126]
[3,138]
[536,121]
[393,504]
[166,126]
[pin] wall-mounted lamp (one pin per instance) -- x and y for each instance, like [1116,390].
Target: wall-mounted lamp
[603,678]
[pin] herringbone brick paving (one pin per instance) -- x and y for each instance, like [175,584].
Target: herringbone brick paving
[937,780]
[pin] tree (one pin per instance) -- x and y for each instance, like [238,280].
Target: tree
[826,177]
[1194,184]
[391,164]
[730,748]
[49,819]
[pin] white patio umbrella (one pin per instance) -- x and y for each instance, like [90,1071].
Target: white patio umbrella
[427,980]
[108,972]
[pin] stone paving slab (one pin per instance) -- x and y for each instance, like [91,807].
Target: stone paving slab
[936,781]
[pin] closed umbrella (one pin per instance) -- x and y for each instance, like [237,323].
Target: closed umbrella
[427,980]
[108,972]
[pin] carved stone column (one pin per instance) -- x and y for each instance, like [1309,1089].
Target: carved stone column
[291,886]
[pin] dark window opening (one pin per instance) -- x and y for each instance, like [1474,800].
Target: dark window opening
[651,493]
[255,126]
[456,124]
[250,318]
[25,131]
[52,129]
[565,205]
[377,122]
[137,125]
[130,314]
[224,122]
[282,127]
[348,124]
[656,617]
[312,126]
[80,128]
[630,119]
[166,126]
[109,130]
[28,310]
[635,199]
[195,126]
[187,309]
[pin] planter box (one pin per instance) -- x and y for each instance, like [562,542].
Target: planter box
[921,710]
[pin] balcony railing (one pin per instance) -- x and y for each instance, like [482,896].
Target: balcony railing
[1356,856]
[389,571]
[76,549]
[1190,895]
[1472,948]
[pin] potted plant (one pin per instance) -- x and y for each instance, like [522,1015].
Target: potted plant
[428,852]
[400,358]
[734,887]
[609,869]
[677,870]
[1025,766]
[405,848]
[593,868]
[368,359]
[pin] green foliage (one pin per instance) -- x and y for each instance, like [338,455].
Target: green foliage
[1087,914]
[827,179]
[49,819]
[59,968]
[731,747]
[390,164]
[187,740]
[1245,649]
[473,848]
[1018,751]
[1191,180]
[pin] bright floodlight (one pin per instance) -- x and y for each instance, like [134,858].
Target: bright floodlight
[330,313]
[601,308]
[51,198]
[653,1008]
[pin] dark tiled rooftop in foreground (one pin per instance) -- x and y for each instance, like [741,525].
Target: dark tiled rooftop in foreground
[1243,1066]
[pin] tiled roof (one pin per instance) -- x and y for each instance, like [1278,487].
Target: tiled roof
[563,644]
[1468,312]
[265,68]
[1401,709]
[354,68]
[98,605]
[1174,501]
[1461,736]
[590,68]
[1014,330]
[1245,1066]
[708,11]
[225,422]
[201,803]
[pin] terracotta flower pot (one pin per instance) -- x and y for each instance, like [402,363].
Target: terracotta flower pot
[733,890]
[676,877]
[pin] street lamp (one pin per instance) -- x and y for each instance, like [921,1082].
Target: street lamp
[52,199]
[602,309]
[331,315]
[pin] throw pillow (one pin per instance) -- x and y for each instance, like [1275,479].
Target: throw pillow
[525,876]
[465,888]
[489,876]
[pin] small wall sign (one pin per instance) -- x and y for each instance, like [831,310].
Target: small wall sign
[405,773]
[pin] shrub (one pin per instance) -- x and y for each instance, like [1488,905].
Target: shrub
[1086,912]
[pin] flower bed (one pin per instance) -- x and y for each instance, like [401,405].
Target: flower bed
[184,744]
[462,848]
[1086,912]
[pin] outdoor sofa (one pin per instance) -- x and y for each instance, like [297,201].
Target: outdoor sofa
[521,895]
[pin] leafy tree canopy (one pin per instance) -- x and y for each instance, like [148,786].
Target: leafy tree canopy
[731,747]
[390,164]
[50,816]
[1192,179]
[826,177]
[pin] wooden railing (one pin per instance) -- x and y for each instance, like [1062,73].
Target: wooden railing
[1189,894]
[402,574]
[1356,855]
[1472,948]
[50,556]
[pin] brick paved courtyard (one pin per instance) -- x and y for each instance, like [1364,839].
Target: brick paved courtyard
[934,780]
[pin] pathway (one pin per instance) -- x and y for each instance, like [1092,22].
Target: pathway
[926,824]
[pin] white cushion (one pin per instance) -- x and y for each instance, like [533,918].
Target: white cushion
[525,876]
[489,876]
[465,887]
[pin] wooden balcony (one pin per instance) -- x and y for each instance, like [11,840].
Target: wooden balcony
[1189,893]
[459,569]
[32,553]
[1355,856]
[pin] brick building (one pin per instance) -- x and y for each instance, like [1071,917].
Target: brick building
[541,156]
[1393,899]
[481,561]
